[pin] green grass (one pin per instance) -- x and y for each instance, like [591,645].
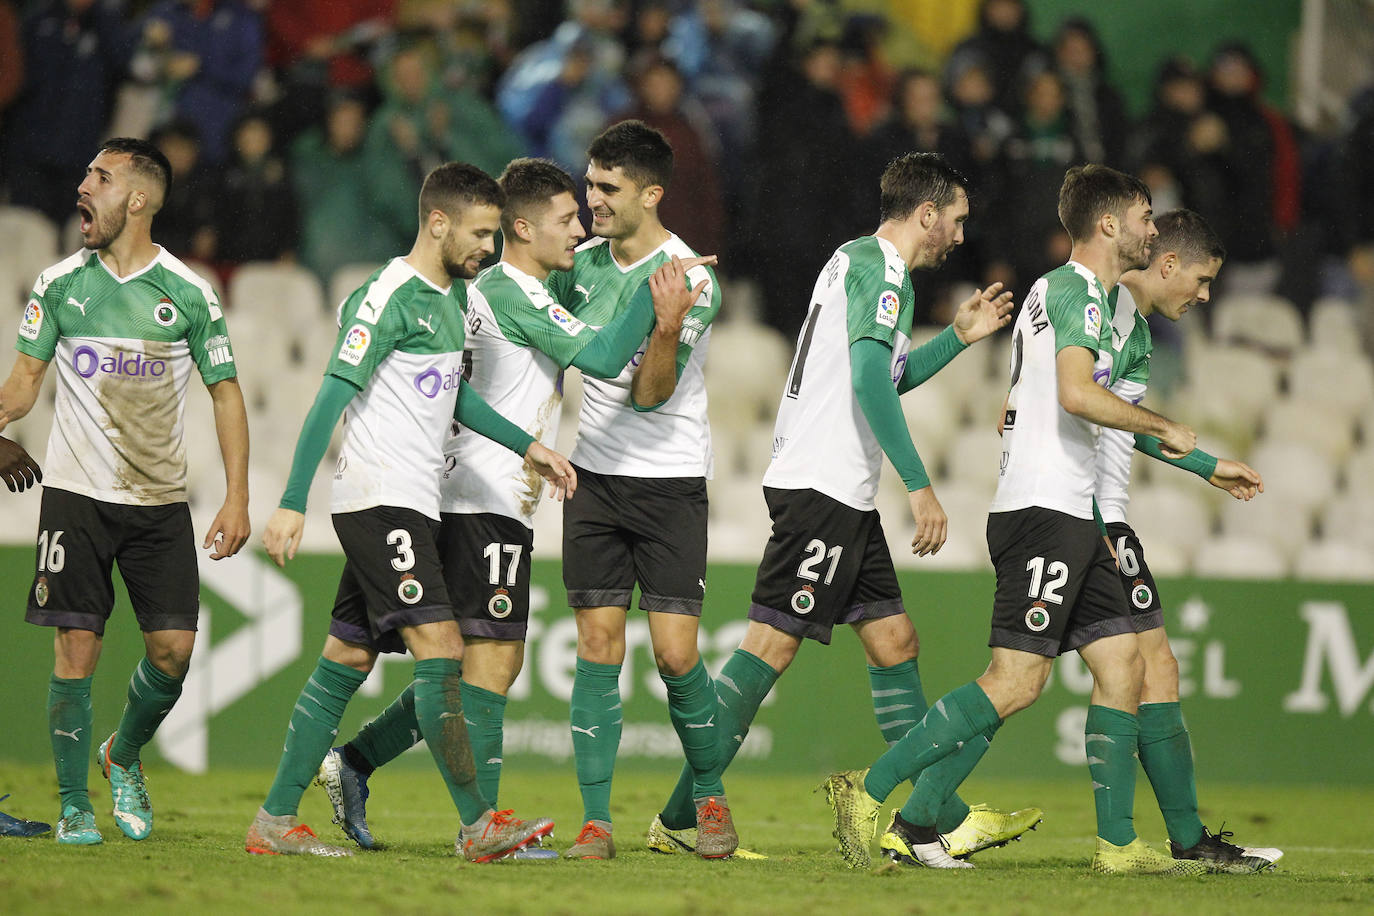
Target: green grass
[194,861]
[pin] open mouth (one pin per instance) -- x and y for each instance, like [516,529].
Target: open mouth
[87,217]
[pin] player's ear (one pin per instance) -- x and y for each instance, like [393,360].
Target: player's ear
[928,214]
[137,201]
[437,224]
[1108,224]
[652,195]
[1169,265]
[523,230]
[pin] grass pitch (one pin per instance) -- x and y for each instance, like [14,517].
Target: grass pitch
[195,861]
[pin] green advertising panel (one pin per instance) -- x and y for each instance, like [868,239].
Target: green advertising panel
[1277,677]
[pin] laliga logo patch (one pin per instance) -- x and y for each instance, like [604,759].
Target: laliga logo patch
[33,320]
[410,590]
[500,604]
[888,305]
[564,319]
[164,313]
[1092,320]
[804,600]
[40,591]
[355,345]
[1141,596]
[1037,618]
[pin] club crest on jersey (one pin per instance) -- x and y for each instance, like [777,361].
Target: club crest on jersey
[804,599]
[1037,618]
[165,313]
[410,590]
[500,604]
[564,319]
[888,306]
[33,320]
[40,591]
[1092,320]
[1141,596]
[355,345]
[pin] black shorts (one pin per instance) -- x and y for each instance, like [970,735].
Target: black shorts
[486,559]
[391,577]
[1057,587]
[619,531]
[1136,578]
[80,538]
[825,564]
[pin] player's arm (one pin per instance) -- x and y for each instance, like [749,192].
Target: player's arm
[17,467]
[1083,397]
[477,415]
[655,379]
[20,391]
[870,361]
[983,313]
[230,529]
[1235,477]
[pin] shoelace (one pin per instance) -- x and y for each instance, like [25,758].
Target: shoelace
[1222,836]
[711,817]
[499,819]
[590,832]
[304,830]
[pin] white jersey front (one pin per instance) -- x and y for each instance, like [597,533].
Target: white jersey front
[1127,373]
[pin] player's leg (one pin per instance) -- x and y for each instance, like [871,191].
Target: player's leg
[490,667]
[69,729]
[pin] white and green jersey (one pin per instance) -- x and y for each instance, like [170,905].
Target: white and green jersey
[124,349]
[612,437]
[401,345]
[519,341]
[1127,373]
[822,440]
[1048,454]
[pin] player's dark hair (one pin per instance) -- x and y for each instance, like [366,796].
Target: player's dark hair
[529,185]
[912,179]
[145,158]
[1187,234]
[642,152]
[454,186]
[1089,191]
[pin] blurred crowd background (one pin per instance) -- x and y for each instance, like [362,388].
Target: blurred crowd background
[299,132]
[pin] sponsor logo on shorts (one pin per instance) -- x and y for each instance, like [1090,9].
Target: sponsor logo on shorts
[1141,596]
[1037,618]
[898,368]
[87,362]
[432,381]
[1100,376]
[500,604]
[355,345]
[450,465]
[804,600]
[410,590]
[1092,320]
[40,591]
[888,305]
[564,319]
[33,320]
[341,467]
[165,313]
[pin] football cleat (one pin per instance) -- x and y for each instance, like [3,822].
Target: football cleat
[1135,858]
[856,815]
[498,834]
[17,826]
[986,827]
[593,842]
[716,836]
[133,812]
[1219,855]
[285,835]
[77,828]
[347,791]
[666,840]
[899,846]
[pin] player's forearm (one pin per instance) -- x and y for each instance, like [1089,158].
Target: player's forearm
[1092,402]
[616,343]
[929,358]
[231,426]
[20,391]
[869,360]
[477,415]
[1196,461]
[656,378]
[329,405]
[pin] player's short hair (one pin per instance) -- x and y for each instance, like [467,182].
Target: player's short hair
[145,159]
[912,179]
[642,152]
[529,185]
[454,186]
[1189,235]
[1089,191]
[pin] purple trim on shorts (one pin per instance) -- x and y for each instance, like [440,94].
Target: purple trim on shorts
[506,630]
[75,620]
[1150,620]
[874,610]
[413,617]
[789,624]
[1098,629]
[1002,638]
[600,597]
[350,632]
[664,604]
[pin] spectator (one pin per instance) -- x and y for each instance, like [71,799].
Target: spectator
[971,95]
[255,215]
[1004,48]
[1098,111]
[867,79]
[186,222]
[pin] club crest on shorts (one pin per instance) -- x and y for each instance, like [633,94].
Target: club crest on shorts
[40,591]
[410,590]
[804,599]
[1038,617]
[1141,596]
[500,604]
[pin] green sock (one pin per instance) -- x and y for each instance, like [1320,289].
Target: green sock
[486,713]
[391,734]
[956,717]
[692,708]
[314,723]
[1167,756]
[69,728]
[931,802]
[152,694]
[595,718]
[1112,737]
[899,702]
[439,710]
[740,689]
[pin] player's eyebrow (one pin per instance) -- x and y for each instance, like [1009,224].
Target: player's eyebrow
[98,170]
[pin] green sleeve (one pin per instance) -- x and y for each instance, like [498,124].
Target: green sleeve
[1197,461]
[869,371]
[334,395]
[477,415]
[208,338]
[39,327]
[929,358]
[1097,517]
[616,343]
[876,304]
[1078,317]
[366,338]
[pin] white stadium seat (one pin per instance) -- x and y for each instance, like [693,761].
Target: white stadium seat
[287,296]
[30,242]
[1350,519]
[1228,386]
[344,281]
[1335,325]
[1167,514]
[1295,473]
[1285,525]
[1238,557]
[1271,322]
[1335,561]
[974,456]
[1340,381]
[1311,423]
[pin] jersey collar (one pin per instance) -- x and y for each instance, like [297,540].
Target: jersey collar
[157,259]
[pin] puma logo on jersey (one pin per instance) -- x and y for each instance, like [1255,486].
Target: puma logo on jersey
[71,734]
[585,291]
[589,732]
[81,305]
[424,322]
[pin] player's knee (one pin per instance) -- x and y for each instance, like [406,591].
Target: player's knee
[1161,674]
[676,660]
[600,646]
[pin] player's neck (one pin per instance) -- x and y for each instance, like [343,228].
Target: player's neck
[128,254]
[516,256]
[647,238]
[1101,258]
[430,265]
[905,236]
[1144,303]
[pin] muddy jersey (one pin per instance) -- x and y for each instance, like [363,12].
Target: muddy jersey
[673,440]
[124,349]
[1048,454]
[1127,374]
[400,344]
[519,341]
[822,440]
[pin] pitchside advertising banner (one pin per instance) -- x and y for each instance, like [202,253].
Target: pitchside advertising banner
[1277,677]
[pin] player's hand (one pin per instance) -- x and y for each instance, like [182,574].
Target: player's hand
[983,313]
[229,531]
[1178,441]
[932,526]
[554,468]
[1111,548]
[672,298]
[283,535]
[1237,478]
[17,467]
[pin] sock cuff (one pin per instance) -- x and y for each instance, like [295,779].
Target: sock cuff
[72,686]
[597,670]
[341,672]
[474,694]
[901,669]
[1161,720]
[977,708]
[437,669]
[159,679]
[742,657]
[698,672]
[1108,721]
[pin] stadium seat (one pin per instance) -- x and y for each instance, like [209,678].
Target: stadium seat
[1350,518]
[1335,561]
[1341,381]
[974,456]
[1166,558]
[963,377]
[1312,423]
[548,531]
[30,242]
[1239,557]
[1168,514]
[1358,472]
[1284,524]
[1335,325]
[1228,387]
[933,421]
[1294,472]
[287,296]
[344,281]
[1270,322]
